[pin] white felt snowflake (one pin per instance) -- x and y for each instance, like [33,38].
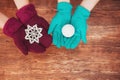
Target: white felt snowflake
[33,33]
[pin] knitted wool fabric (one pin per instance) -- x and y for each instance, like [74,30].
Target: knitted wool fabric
[15,29]
[62,17]
[28,16]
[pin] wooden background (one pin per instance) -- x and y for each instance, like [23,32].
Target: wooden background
[99,59]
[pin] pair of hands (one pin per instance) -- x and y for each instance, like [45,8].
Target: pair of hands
[28,18]
[64,16]
[29,31]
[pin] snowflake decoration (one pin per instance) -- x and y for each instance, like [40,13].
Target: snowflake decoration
[33,33]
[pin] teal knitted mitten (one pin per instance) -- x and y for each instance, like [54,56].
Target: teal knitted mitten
[62,17]
[79,21]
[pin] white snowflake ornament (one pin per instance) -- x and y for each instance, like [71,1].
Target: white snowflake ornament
[33,33]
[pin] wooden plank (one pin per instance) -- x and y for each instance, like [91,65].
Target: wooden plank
[99,59]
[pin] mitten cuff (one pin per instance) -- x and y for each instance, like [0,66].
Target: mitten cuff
[26,13]
[64,7]
[11,26]
[83,12]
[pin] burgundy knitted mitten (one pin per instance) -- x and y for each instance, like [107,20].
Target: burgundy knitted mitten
[28,16]
[25,38]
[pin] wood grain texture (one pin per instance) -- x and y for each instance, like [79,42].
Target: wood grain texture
[99,59]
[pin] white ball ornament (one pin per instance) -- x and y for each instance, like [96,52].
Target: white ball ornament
[68,30]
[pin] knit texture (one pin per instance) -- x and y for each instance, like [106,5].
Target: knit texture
[35,39]
[28,16]
[15,29]
[62,17]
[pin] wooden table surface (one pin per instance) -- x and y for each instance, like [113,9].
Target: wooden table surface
[99,59]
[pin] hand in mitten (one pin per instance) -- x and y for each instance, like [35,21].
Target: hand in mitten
[79,21]
[28,16]
[15,29]
[61,18]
